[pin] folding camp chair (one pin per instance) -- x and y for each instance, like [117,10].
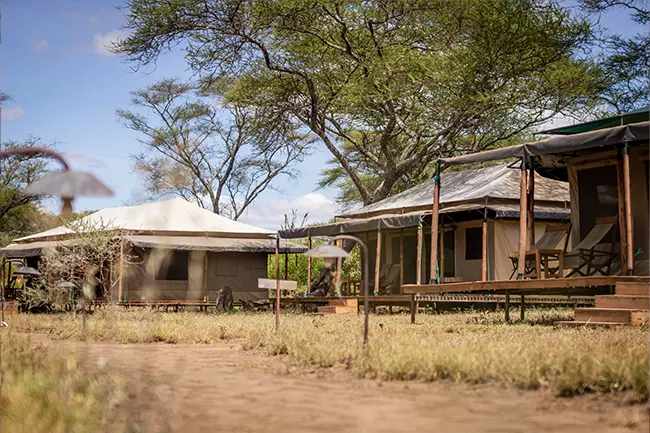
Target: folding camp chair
[586,259]
[545,249]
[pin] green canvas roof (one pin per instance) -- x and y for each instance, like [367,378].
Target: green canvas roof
[636,116]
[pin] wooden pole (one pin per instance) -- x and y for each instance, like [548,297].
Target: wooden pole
[441,260]
[620,181]
[484,256]
[286,266]
[521,269]
[205,277]
[277,283]
[339,262]
[418,271]
[120,284]
[629,223]
[401,259]
[530,217]
[378,262]
[309,267]
[507,306]
[522,308]
[434,276]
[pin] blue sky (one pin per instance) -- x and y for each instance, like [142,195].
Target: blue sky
[66,87]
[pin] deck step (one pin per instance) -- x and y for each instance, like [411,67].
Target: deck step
[337,309]
[578,323]
[623,301]
[619,315]
[632,288]
[342,302]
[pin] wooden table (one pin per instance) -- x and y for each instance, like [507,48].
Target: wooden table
[542,258]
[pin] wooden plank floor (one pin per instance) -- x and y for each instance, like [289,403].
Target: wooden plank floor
[587,285]
[442,299]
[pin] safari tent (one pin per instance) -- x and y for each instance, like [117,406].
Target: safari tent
[182,252]
[479,209]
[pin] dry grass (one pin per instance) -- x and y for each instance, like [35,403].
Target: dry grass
[42,392]
[464,347]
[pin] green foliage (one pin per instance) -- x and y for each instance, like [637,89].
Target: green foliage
[387,86]
[626,61]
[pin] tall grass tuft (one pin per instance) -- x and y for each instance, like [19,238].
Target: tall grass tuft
[464,347]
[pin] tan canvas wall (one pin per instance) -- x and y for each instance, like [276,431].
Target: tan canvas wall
[239,271]
[195,274]
[506,240]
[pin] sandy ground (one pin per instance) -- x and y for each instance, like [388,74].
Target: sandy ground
[219,388]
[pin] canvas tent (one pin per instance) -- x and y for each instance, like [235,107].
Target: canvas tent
[402,224]
[185,252]
[608,173]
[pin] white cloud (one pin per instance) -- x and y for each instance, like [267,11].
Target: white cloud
[270,215]
[103,42]
[41,45]
[13,113]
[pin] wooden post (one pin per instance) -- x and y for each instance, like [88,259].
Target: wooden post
[378,262]
[530,217]
[522,307]
[521,271]
[120,285]
[205,277]
[434,276]
[277,282]
[418,271]
[507,306]
[441,260]
[620,181]
[309,267]
[339,263]
[484,256]
[629,224]
[401,260]
[412,308]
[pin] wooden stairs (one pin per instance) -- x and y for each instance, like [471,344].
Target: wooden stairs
[340,306]
[629,306]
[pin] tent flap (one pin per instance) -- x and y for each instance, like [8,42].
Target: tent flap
[387,222]
[213,244]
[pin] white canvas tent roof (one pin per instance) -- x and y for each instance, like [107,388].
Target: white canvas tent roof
[497,182]
[175,216]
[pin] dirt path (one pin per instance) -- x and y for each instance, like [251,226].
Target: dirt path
[217,388]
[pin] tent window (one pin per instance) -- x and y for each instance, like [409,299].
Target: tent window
[473,243]
[174,267]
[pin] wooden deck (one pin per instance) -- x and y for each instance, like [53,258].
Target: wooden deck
[566,286]
[424,299]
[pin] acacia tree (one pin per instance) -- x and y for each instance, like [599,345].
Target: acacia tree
[19,212]
[386,86]
[626,61]
[199,146]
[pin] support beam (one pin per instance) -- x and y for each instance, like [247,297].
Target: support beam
[277,282]
[441,253]
[418,261]
[530,214]
[205,276]
[378,262]
[507,306]
[434,276]
[522,308]
[339,265]
[309,267]
[412,297]
[523,192]
[629,223]
[401,260]
[120,284]
[621,214]
[484,252]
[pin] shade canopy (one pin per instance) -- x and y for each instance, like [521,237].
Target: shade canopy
[328,251]
[69,184]
[636,116]
[27,271]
